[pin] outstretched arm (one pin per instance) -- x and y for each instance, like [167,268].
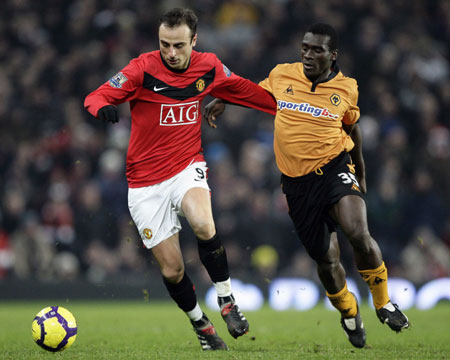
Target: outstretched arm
[356,153]
[233,89]
[246,94]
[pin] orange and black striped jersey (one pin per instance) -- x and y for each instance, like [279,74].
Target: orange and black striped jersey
[308,123]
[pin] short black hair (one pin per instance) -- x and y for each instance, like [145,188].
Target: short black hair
[180,16]
[325,29]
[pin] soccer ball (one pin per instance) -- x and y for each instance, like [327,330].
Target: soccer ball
[54,328]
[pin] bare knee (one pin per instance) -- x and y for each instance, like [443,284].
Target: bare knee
[359,237]
[204,230]
[173,274]
[196,206]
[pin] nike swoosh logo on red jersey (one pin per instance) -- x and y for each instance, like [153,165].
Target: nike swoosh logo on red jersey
[156,89]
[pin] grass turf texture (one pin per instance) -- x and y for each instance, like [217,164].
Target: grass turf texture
[146,330]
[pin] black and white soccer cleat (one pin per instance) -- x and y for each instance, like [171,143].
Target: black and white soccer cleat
[354,329]
[390,314]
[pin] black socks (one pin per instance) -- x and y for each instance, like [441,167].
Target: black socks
[214,257]
[183,293]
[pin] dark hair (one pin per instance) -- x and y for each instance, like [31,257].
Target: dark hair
[179,16]
[325,29]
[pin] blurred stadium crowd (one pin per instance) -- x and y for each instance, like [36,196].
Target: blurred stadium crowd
[63,192]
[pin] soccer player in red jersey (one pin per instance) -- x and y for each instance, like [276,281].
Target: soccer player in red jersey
[166,170]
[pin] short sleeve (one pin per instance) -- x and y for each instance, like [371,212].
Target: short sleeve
[268,81]
[352,114]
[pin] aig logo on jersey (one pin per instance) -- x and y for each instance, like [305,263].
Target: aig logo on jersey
[179,114]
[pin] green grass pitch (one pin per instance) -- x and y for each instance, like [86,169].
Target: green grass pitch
[158,330]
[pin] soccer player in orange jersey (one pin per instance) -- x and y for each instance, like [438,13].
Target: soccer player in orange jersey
[317,145]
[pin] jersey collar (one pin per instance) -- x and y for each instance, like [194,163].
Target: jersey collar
[178,71]
[334,71]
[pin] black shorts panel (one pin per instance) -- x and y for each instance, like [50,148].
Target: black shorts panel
[310,198]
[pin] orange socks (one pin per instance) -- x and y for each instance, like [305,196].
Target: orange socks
[345,302]
[377,281]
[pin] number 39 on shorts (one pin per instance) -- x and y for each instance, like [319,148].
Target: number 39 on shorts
[348,178]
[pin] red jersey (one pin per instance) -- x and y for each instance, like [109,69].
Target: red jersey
[165,108]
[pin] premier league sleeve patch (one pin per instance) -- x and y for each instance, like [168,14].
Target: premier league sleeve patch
[118,80]
[226,71]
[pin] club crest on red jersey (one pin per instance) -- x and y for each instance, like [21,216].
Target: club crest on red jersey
[200,85]
[179,114]
[118,80]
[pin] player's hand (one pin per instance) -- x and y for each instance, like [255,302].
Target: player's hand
[213,110]
[108,113]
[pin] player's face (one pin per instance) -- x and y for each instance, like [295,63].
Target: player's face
[316,56]
[176,45]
